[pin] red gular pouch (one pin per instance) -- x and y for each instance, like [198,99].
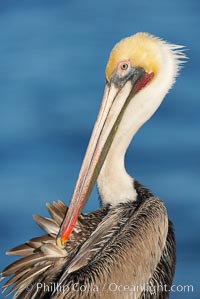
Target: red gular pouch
[143,81]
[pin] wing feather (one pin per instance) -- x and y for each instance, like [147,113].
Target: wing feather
[130,237]
[42,260]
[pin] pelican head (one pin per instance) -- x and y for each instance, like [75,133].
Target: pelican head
[140,71]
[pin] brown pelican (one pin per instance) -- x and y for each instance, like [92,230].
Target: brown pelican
[126,249]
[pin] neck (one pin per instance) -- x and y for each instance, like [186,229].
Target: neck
[114,184]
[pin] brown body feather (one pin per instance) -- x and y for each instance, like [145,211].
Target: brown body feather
[127,251]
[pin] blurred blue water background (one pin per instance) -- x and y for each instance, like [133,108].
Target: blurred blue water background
[52,60]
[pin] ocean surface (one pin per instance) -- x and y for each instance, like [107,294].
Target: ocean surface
[52,60]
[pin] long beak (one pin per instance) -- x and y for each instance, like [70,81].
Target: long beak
[114,103]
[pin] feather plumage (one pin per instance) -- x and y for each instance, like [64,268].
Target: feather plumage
[105,235]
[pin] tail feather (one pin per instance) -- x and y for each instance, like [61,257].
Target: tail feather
[40,256]
[38,241]
[23,262]
[27,278]
[41,260]
[57,211]
[14,279]
[48,225]
[21,250]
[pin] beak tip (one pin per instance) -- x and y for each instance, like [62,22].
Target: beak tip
[59,243]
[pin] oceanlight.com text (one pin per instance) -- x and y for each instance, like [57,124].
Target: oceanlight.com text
[112,287]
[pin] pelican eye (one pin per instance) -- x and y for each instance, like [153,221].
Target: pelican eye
[122,73]
[124,66]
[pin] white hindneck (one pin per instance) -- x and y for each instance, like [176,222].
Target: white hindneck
[114,184]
